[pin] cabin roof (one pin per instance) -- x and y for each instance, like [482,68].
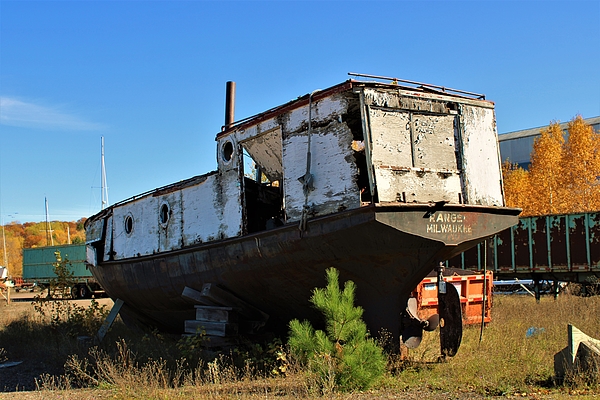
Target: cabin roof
[342,87]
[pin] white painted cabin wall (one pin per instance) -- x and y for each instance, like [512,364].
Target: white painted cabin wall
[230,216]
[478,177]
[481,159]
[333,166]
[201,220]
[202,212]
[143,239]
[169,234]
[109,235]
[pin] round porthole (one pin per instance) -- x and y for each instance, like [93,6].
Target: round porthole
[227,151]
[163,214]
[128,224]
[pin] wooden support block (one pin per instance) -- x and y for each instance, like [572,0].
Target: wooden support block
[221,329]
[219,296]
[195,297]
[215,314]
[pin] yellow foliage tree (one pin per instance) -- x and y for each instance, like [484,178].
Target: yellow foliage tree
[516,187]
[581,159]
[563,177]
[14,255]
[546,172]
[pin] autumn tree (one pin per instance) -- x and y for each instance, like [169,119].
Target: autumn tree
[14,253]
[33,234]
[517,187]
[546,172]
[563,176]
[582,167]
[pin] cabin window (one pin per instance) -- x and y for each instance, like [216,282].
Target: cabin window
[227,151]
[128,224]
[164,213]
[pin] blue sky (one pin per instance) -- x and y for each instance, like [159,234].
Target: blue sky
[150,77]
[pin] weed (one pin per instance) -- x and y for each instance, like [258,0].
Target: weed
[61,285]
[70,319]
[191,347]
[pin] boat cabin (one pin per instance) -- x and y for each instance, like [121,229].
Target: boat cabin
[356,144]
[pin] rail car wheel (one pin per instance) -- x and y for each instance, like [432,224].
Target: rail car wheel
[75,292]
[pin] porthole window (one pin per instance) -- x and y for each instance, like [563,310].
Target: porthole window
[128,224]
[163,214]
[227,151]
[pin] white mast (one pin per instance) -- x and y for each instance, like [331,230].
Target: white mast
[104,187]
[49,238]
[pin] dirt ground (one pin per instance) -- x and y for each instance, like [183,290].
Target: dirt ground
[20,375]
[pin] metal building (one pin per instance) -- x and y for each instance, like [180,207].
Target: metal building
[517,146]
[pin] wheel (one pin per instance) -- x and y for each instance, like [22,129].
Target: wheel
[75,292]
[84,292]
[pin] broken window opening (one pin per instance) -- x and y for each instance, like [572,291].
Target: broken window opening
[362,178]
[252,170]
[352,118]
[262,175]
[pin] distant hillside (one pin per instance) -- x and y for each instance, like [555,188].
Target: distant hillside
[37,234]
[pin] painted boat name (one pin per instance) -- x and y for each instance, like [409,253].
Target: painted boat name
[448,223]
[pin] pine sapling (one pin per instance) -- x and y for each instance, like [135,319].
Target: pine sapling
[344,354]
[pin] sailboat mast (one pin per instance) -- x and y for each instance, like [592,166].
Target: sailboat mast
[49,238]
[104,187]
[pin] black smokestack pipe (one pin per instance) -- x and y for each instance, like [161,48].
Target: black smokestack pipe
[230,105]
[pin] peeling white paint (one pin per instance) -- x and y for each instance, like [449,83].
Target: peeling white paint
[201,217]
[322,110]
[481,160]
[335,187]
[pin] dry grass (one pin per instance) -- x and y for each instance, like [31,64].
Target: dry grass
[506,361]
[151,366]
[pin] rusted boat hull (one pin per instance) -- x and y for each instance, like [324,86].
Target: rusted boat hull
[385,250]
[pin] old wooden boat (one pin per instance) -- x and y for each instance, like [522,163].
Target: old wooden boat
[381,179]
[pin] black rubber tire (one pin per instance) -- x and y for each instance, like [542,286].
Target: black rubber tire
[84,292]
